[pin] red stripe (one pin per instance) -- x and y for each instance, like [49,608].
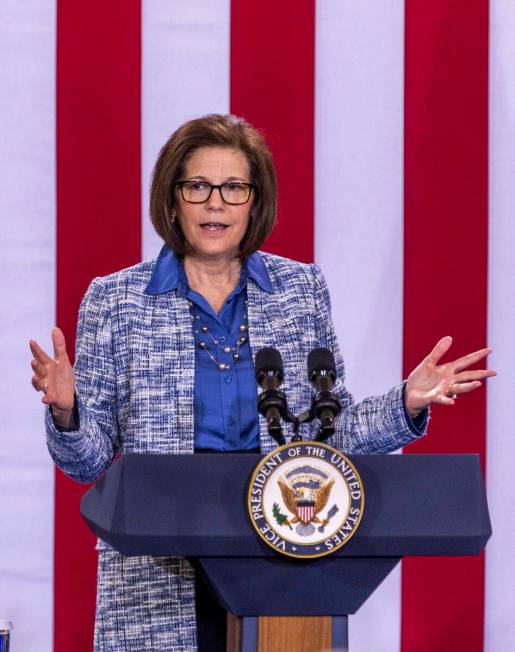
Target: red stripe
[98,231]
[446,102]
[272,86]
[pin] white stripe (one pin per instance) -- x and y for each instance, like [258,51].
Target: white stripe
[500,552]
[359,220]
[27,309]
[185,74]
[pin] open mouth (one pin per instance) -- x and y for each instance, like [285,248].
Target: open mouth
[213,226]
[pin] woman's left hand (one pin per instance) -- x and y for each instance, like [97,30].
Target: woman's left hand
[432,383]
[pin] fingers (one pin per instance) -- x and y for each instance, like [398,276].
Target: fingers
[464,388]
[55,380]
[48,397]
[42,365]
[440,349]
[59,344]
[42,385]
[474,374]
[458,388]
[442,399]
[40,373]
[38,352]
[465,361]
[38,384]
[469,359]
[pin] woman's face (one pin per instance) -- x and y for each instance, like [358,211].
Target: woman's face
[214,229]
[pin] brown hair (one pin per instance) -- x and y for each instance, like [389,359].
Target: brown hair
[214,131]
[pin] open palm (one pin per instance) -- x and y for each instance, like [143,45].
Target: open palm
[54,376]
[431,383]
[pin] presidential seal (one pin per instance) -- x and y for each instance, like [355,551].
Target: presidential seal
[305,499]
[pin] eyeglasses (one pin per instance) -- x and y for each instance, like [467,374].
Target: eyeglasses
[232,192]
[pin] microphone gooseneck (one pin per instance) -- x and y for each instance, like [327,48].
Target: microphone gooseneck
[326,404]
[272,401]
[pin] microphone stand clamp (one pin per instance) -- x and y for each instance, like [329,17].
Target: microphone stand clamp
[324,406]
[272,402]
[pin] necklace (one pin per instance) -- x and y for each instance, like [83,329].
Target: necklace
[202,335]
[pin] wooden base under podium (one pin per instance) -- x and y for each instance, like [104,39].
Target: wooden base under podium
[286,634]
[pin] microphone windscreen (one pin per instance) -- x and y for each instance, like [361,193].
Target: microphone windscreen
[268,359]
[321,360]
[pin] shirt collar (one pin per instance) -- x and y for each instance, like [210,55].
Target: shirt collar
[167,272]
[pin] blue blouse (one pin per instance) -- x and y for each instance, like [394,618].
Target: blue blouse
[225,400]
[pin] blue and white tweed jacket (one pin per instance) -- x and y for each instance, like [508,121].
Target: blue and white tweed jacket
[135,384]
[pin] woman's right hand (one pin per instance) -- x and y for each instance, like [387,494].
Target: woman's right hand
[55,378]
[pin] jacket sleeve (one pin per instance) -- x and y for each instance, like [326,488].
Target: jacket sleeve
[378,424]
[84,453]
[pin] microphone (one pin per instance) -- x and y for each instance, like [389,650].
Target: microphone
[272,401]
[326,404]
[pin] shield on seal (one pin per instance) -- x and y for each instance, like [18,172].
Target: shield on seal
[306,511]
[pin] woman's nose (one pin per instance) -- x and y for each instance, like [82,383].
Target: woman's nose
[215,200]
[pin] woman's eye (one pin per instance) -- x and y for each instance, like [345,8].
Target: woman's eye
[197,185]
[233,186]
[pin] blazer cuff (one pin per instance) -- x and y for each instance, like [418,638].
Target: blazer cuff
[75,425]
[418,425]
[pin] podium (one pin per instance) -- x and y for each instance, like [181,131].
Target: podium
[195,506]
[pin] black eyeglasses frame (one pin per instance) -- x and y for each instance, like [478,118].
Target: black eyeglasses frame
[219,187]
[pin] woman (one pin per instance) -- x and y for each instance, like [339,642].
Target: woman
[164,359]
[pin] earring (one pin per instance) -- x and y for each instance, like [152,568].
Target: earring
[174,215]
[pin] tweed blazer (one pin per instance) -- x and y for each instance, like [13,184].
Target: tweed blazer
[134,369]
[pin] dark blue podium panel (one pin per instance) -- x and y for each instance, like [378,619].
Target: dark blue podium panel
[195,506]
[272,586]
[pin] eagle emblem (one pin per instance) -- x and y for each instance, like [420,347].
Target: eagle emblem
[290,494]
[305,491]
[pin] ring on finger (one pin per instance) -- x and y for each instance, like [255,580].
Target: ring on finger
[450,393]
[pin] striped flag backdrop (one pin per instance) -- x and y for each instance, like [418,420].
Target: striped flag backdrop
[393,129]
